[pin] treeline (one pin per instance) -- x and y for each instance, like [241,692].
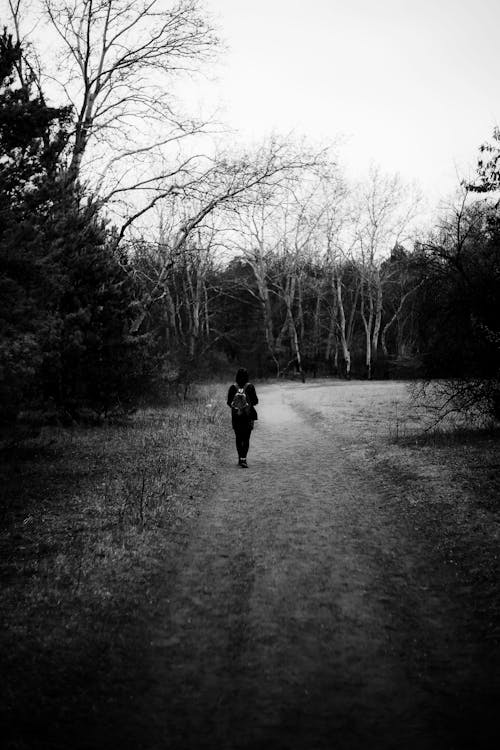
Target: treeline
[314,291]
[77,339]
[128,268]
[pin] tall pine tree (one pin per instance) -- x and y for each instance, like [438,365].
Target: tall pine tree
[65,289]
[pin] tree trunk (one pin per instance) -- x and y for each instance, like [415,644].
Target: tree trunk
[300,311]
[395,318]
[294,340]
[378,317]
[367,324]
[342,328]
[316,325]
[256,263]
[172,323]
[195,311]
[267,313]
[206,310]
[333,324]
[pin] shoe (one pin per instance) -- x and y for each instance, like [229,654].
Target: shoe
[243,463]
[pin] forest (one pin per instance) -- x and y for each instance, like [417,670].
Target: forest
[136,257]
[339,590]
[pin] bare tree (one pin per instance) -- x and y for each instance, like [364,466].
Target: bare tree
[404,296]
[227,186]
[338,238]
[403,276]
[462,261]
[277,235]
[120,59]
[387,209]
[301,221]
[119,65]
[254,239]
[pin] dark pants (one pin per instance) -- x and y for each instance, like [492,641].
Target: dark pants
[242,432]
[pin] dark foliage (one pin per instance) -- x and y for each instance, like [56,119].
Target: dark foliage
[64,288]
[460,306]
[239,320]
[488,166]
[459,311]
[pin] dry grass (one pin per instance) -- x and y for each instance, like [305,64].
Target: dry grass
[93,519]
[90,519]
[447,477]
[389,422]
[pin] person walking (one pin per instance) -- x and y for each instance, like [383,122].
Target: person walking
[242,398]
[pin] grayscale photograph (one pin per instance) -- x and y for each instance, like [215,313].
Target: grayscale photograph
[249,375]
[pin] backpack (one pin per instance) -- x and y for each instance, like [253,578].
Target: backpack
[240,403]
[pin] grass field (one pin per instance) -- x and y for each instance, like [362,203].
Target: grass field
[89,519]
[93,518]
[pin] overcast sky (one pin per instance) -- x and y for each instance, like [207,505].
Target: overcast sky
[414,85]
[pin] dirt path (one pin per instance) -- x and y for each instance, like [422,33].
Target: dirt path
[309,610]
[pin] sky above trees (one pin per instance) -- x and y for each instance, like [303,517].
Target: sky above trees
[413,86]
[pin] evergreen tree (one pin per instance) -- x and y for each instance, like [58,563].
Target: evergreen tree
[459,310]
[32,137]
[65,289]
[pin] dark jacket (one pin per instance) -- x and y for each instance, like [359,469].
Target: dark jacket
[238,420]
